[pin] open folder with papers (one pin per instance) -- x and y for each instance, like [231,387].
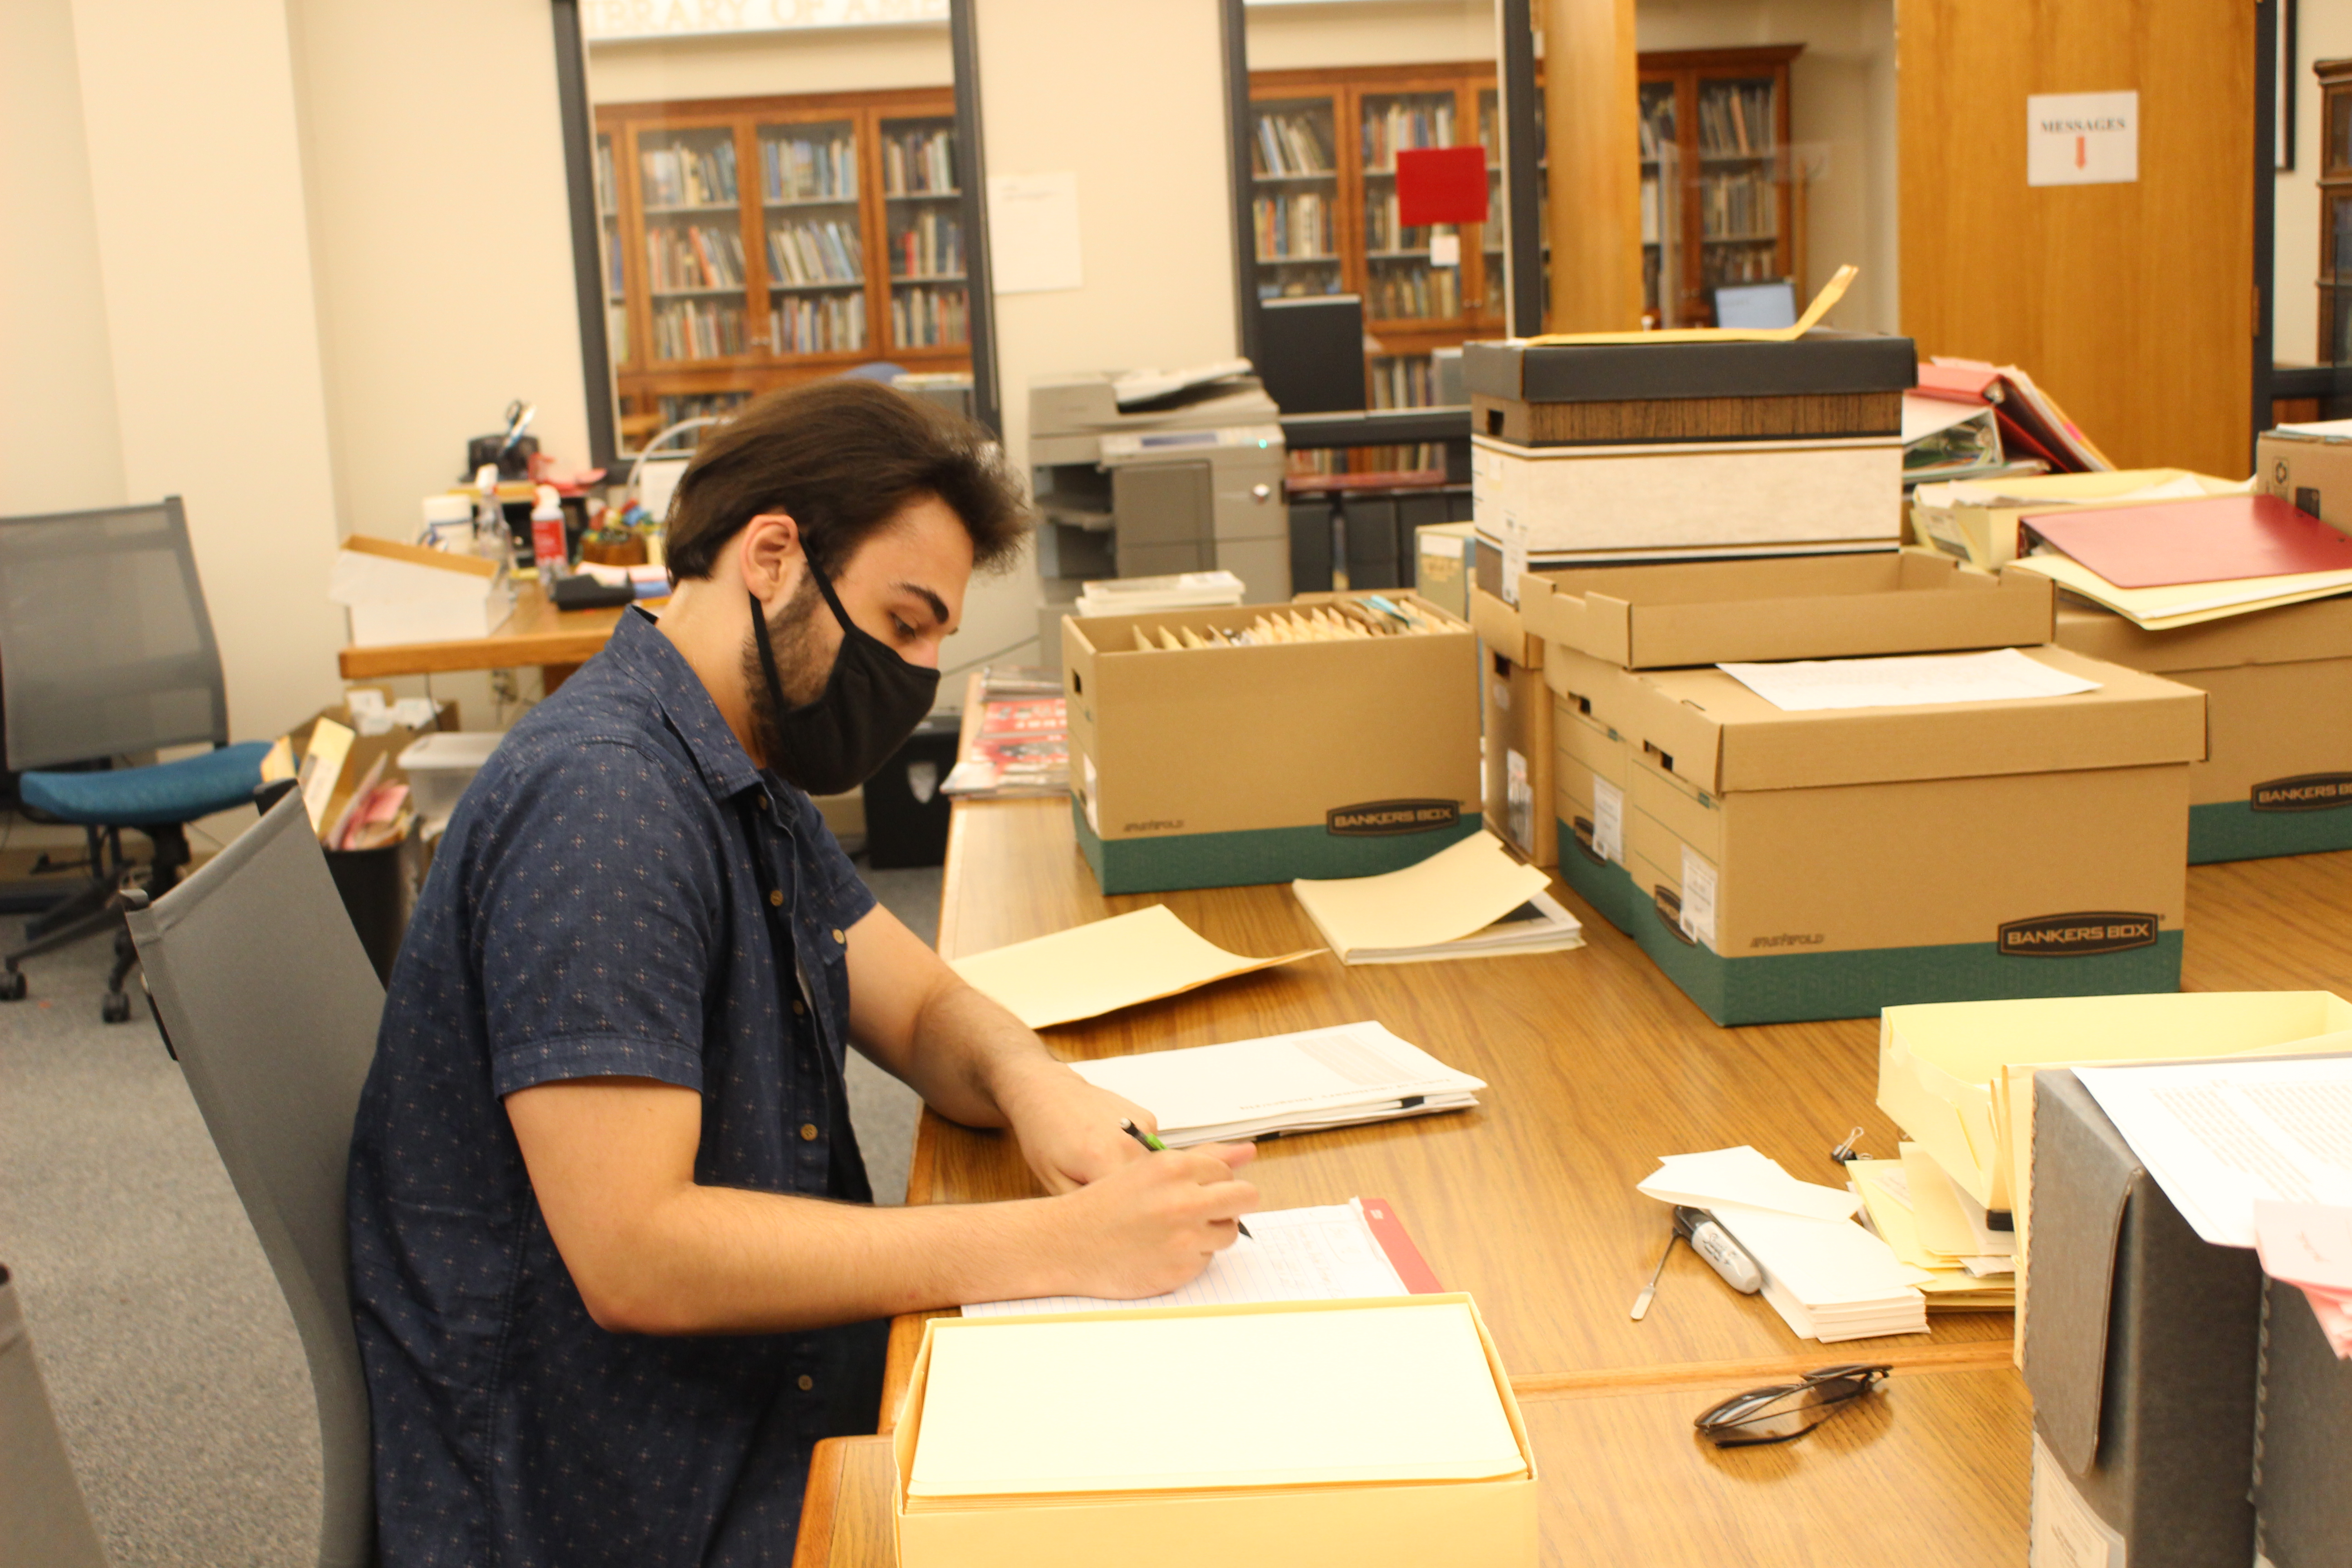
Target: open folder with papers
[1471,899]
[1339,1077]
[1101,967]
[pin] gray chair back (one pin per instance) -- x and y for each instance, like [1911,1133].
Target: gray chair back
[43,1521]
[271,1007]
[105,648]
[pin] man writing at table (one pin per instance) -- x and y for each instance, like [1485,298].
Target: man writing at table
[614,1263]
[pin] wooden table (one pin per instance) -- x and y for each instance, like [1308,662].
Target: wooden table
[561,641]
[1596,1065]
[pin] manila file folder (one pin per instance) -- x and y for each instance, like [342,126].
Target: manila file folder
[1370,1432]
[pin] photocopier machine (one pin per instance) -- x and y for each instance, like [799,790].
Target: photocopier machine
[1143,474]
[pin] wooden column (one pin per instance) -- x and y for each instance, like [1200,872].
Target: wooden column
[1592,147]
[2132,304]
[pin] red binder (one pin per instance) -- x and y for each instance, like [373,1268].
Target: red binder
[2218,540]
[1403,1255]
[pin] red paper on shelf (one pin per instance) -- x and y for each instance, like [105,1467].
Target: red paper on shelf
[1441,185]
[2220,539]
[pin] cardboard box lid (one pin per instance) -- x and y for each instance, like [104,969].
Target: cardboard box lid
[1823,361]
[1716,733]
[1826,606]
[369,570]
[2289,633]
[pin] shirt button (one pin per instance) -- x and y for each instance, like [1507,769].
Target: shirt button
[776,897]
[807,1383]
[808,1132]
[840,936]
[799,1007]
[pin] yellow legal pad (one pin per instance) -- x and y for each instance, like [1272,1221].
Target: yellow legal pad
[1150,1402]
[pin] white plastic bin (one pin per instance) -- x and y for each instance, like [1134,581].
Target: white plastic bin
[439,766]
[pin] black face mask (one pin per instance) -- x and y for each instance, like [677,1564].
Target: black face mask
[870,704]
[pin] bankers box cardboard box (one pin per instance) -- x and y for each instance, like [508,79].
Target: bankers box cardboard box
[2278,683]
[1588,780]
[1828,864]
[2141,1343]
[2310,467]
[1210,767]
[1516,724]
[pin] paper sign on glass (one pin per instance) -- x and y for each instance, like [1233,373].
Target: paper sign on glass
[1032,232]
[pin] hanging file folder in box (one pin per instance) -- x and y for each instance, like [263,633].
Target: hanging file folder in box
[1227,764]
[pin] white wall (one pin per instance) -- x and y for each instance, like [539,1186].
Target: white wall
[60,443]
[2325,32]
[203,250]
[755,65]
[1061,90]
[442,241]
[1371,33]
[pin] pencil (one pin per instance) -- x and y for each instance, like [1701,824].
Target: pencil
[1157,1147]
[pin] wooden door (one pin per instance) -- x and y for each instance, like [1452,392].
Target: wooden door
[2133,304]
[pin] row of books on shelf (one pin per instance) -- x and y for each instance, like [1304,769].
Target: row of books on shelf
[1321,461]
[1384,226]
[930,246]
[695,255]
[1657,125]
[1301,282]
[924,317]
[1290,145]
[608,200]
[809,169]
[697,329]
[1740,264]
[818,323]
[1406,122]
[687,176]
[1403,381]
[1735,119]
[1293,225]
[679,406]
[1744,205]
[816,251]
[1409,292]
[919,163]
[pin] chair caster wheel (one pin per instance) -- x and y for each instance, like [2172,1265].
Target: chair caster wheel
[13,985]
[116,1008]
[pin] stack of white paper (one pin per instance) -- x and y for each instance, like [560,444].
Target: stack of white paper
[1470,899]
[1828,1278]
[1339,1077]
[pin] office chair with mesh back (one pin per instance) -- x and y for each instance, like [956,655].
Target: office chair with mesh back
[106,650]
[267,999]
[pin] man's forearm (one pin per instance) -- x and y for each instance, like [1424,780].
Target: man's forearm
[720,1260]
[970,1057]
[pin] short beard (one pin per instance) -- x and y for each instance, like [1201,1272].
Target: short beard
[802,667]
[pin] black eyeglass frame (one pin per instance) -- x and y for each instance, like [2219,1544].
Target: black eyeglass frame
[1827,1388]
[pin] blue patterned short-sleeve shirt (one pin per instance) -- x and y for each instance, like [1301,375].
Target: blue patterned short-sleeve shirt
[622,892]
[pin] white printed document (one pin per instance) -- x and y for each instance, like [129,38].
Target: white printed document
[1325,1254]
[1337,1077]
[2217,1136]
[1915,680]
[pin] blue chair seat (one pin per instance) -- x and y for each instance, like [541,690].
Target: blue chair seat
[164,795]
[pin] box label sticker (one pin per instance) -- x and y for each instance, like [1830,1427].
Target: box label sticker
[2303,792]
[1087,795]
[1518,801]
[1376,818]
[2078,934]
[1608,820]
[1515,556]
[1698,898]
[2064,1532]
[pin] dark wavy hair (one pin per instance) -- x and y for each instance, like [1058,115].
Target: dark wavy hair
[842,457]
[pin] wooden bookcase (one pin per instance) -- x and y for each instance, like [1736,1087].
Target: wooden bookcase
[754,243]
[2335,211]
[1323,203]
[1726,190]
